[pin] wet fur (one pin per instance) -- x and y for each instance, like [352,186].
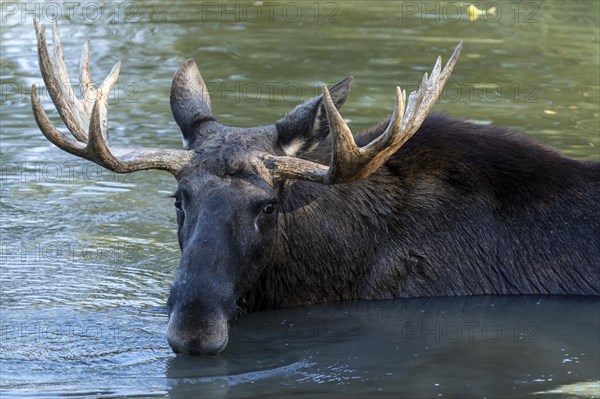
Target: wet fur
[460,209]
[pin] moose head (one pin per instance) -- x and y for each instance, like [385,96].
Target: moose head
[231,181]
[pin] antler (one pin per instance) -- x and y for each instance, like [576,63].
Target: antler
[87,119]
[350,162]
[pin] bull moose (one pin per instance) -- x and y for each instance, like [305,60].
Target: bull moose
[302,212]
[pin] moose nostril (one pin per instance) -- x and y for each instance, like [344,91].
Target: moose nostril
[194,352]
[176,347]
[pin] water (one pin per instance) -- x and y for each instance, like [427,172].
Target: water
[456,347]
[88,256]
[404,348]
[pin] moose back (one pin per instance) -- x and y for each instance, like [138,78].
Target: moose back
[302,211]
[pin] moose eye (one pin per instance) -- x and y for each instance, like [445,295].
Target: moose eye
[269,208]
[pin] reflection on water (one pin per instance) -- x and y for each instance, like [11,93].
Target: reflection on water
[87,257]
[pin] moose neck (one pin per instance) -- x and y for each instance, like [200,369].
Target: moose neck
[425,226]
[328,239]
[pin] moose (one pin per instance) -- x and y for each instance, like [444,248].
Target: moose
[304,212]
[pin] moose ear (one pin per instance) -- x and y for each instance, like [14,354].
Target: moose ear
[303,128]
[190,101]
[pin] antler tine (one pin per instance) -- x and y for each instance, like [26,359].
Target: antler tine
[390,136]
[86,88]
[102,97]
[74,113]
[430,90]
[350,162]
[344,146]
[54,87]
[63,142]
[62,75]
[437,68]
[97,146]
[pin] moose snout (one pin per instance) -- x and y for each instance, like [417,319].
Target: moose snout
[200,305]
[197,337]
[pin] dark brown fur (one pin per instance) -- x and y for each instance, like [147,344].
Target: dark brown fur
[460,209]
